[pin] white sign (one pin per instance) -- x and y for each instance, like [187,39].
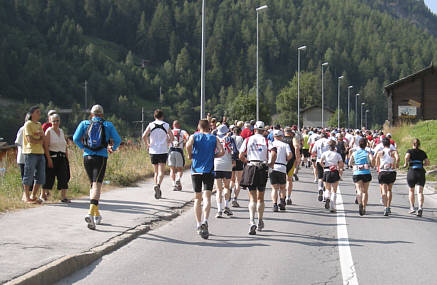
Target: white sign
[407,111]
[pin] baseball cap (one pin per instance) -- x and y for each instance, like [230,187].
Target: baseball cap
[222,130]
[388,135]
[278,133]
[97,110]
[51,112]
[259,125]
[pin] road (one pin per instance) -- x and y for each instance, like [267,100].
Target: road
[299,246]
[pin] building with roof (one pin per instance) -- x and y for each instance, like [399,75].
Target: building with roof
[414,97]
[312,116]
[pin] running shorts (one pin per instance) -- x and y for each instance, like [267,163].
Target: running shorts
[331,176]
[158,158]
[362,177]
[319,171]
[306,153]
[239,166]
[176,158]
[223,174]
[277,177]
[207,179]
[95,167]
[387,177]
[255,177]
[291,167]
[416,177]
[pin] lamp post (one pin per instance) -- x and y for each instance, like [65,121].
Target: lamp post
[338,103]
[298,84]
[362,105]
[348,104]
[367,126]
[257,63]
[356,111]
[323,97]
[202,66]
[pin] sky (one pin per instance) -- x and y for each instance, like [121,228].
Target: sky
[432,4]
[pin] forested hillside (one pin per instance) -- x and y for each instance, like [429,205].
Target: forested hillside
[146,53]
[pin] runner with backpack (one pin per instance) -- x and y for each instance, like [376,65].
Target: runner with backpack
[157,138]
[176,160]
[93,137]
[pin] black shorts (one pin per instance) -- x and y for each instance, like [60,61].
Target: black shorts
[387,177]
[319,171]
[159,158]
[306,153]
[362,177]
[277,177]
[223,174]
[60,171]
[95,167]
[239,166]
[416,177]
[331,176]
[207,179]
[257,175]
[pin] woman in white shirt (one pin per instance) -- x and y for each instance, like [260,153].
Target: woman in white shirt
[55,147]
[332,164]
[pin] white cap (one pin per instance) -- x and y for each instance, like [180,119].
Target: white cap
[388,135]
[259,125]
[222,130]
[97,110]
[51,112]
[278,133]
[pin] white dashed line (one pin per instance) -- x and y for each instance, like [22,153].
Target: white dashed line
[347,264]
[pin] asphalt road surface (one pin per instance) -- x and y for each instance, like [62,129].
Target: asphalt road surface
[303,245]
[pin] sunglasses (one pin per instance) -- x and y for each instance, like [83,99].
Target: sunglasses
[56,121]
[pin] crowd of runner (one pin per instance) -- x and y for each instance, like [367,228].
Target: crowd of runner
[233,156]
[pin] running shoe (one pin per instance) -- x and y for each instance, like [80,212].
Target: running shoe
[361,209]
[204,233]
[412,211]
[296,178]
[175,188]
[332,205]
[179,185]
[219,214]
[332,210]
[90,221]
[228,212]
[327,202]
[389,210]
[315,181]
[419,212]
[289,202]
[260,225]
[356,201]
[386,212]
[282,205]
[320,198]
[252,230]
[235,204]
[275,208]
[98,220]
[157,191]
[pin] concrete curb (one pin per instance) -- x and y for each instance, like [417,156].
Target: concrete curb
[67,265]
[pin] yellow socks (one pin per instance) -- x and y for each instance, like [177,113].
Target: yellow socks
[94,210]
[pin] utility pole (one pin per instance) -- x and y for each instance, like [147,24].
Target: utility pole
[86,96]
[142,121]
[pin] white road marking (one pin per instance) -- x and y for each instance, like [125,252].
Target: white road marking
[347,264]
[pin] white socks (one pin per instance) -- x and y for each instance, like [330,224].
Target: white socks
[252,210]
[226,203]
[333,200]
[219,206]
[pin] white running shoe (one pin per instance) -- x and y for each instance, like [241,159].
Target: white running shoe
[98,220]
[90,221]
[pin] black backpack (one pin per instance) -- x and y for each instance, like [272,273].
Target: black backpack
[158,126]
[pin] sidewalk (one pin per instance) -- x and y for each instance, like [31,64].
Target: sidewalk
[32,238]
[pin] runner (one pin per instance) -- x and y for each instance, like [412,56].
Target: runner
[416,159]
[93,137]
[176,160]
[319,148]
[291,163]
[279,172]
[306,150]
[237,170]
[157,137]
[332,164]
[361,160]
[255,173]
[387,161]
[223,170]
[201,149]
[297,142]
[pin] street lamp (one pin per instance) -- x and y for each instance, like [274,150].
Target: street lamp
[298,84]
[257,82]
[323,97]
[367,126]
[202,66]
[338,103]
[356,111]
[348,104]
[362,105]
